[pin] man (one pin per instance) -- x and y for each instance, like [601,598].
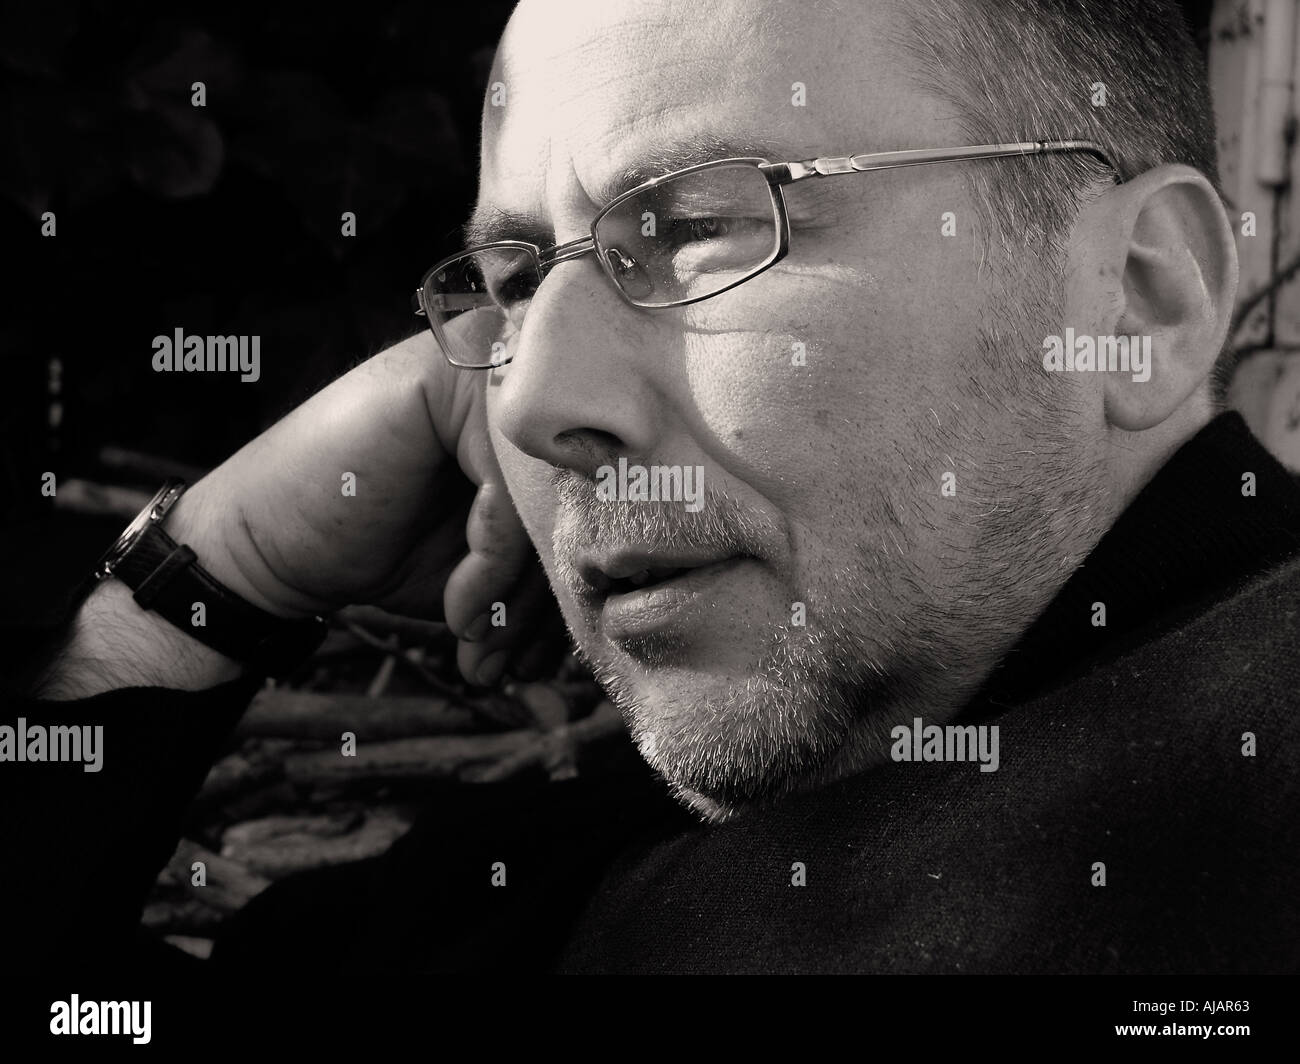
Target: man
[913,516]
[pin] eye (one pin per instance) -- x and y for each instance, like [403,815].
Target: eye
[512,290]
[701,228]
[704,228]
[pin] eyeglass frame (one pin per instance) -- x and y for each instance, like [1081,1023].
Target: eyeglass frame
[778,174]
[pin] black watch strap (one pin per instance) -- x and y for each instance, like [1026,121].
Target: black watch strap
[167,578]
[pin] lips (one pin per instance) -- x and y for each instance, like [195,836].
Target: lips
[686,603]
[642,578]
[625,572]
[639,592]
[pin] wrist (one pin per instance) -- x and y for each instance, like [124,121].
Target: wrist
[185,565]
[112,643]
[211,523]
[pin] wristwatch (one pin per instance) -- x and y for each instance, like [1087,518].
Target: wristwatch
[167,578]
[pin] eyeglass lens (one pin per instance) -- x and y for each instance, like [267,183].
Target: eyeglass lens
[684,239]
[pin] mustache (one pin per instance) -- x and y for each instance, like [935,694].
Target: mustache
[586,522]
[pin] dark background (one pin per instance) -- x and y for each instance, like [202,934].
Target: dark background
[221,220]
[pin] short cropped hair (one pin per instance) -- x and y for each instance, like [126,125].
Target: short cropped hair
[1016,70]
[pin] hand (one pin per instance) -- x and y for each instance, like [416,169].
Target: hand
[381,489]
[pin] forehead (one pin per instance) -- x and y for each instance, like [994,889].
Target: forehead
[592,91]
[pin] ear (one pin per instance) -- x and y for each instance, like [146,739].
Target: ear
[1154,258]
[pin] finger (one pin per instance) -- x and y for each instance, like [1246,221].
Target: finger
[499,553]
[418,588]
[529,615]
[529,618]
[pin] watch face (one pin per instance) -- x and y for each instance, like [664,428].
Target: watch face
[108,561]
[155,510]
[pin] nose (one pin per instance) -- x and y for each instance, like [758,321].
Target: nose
[586,380]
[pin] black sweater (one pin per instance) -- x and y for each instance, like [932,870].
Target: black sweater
[1121,745]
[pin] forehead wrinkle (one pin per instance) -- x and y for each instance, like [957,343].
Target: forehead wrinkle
[560,72]
[533,33]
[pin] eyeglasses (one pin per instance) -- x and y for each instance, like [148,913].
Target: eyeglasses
[680,238]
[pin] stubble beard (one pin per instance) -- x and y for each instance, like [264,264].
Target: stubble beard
[889,641]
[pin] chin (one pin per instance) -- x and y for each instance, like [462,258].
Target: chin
[725,743]
[740,715]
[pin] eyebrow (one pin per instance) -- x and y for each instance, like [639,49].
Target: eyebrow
[490,223]
[665,158]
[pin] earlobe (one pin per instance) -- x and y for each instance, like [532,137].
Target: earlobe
[1156,276]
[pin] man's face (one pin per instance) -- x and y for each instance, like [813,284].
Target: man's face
[837,579]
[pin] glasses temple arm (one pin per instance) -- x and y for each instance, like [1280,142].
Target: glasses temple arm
[784,173]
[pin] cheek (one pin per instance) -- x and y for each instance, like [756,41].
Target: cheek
[527,479]
[818,374]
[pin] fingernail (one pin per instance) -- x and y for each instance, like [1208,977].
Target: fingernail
[492,667]
[477,628]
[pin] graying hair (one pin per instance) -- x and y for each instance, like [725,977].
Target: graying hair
[1015,70]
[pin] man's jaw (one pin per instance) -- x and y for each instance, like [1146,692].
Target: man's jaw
[683,618]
